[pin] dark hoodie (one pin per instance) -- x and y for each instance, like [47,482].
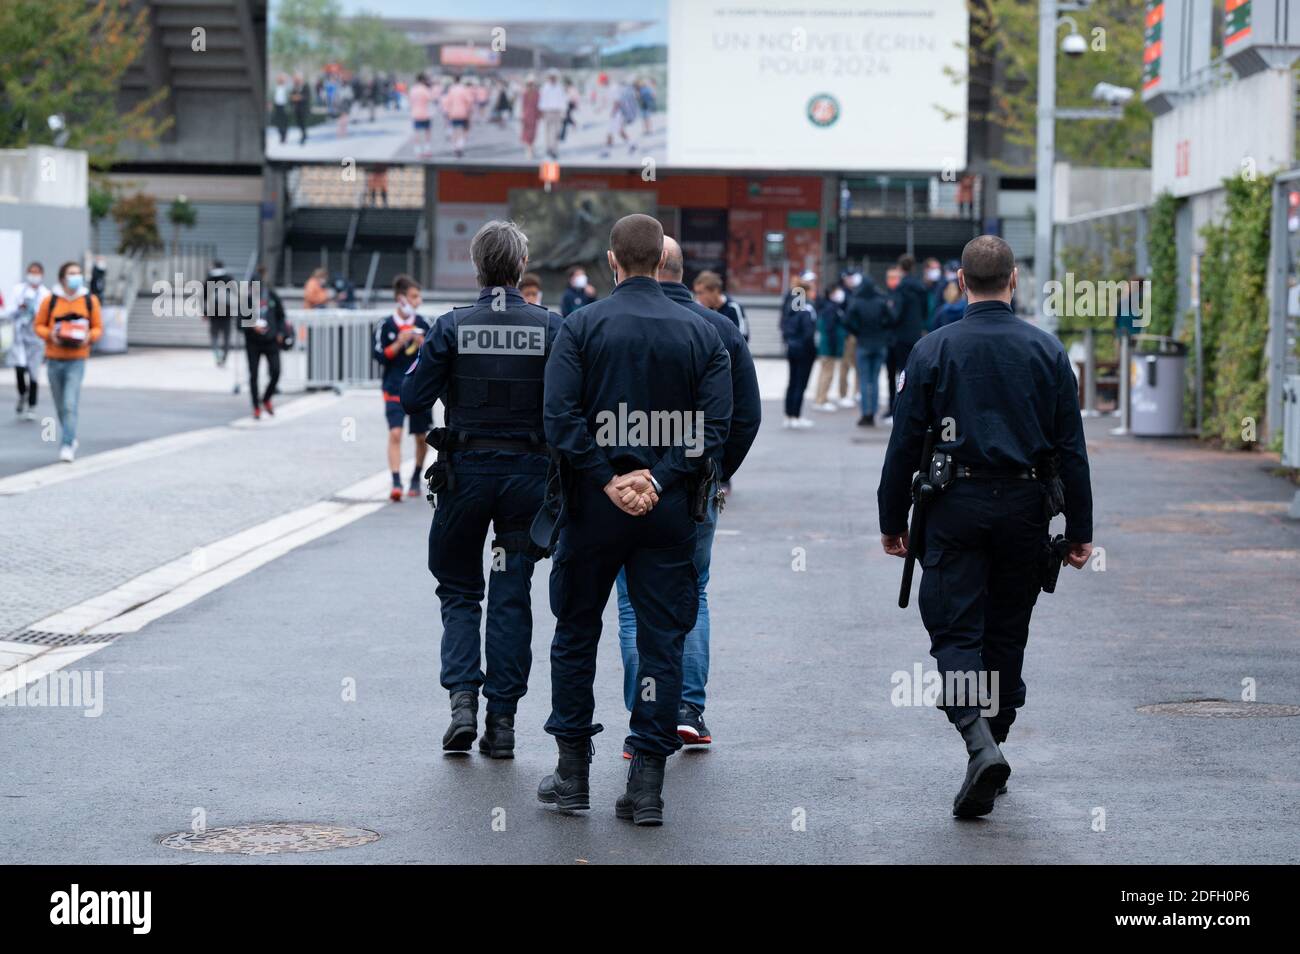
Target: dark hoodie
[868,314]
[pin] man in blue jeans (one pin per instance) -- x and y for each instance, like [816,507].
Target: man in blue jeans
[745,417]
[867,316]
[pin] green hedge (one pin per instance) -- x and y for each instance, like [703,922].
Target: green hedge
[1236,383]
[1162,250]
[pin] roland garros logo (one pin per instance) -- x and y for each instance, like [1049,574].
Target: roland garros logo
[823,110]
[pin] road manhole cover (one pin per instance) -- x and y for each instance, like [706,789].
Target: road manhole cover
[1222,709]
[270,839]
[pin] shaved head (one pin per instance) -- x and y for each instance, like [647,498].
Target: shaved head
[672,268]
[637,243]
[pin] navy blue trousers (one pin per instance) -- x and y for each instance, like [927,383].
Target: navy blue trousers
[460,525]
[983,542]
[657,551]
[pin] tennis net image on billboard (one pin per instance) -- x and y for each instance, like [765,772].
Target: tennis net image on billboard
[703,84]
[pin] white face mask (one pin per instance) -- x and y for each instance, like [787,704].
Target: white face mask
[854,281]
[933,274]
[34,278]
[404,308]
[837,296]
[579,281]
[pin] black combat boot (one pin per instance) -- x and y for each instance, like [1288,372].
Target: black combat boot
[1000,736]
[463,730]
[643,803]
[986,771]
[498,740]
[568,788]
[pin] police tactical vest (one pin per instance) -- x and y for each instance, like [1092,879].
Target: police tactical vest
[496,379]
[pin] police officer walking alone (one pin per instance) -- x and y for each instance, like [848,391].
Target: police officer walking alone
[623,368]
[485,362]
[1001,398]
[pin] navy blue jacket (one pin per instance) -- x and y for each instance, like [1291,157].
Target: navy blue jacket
[392,359]
[912,310]
[948,313]
[868,316]
[429,379]
[1013,398]
[746,405]
[572,300]
[798,328]
[636,352]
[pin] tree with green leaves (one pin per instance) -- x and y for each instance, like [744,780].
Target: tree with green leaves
[1004,33]
[66,59]
[307,34]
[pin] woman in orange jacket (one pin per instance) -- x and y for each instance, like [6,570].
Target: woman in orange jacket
[69,321]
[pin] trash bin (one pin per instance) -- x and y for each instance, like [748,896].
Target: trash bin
[1157,382]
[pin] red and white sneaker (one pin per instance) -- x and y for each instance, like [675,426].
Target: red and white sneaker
[257,413]
[690,725]
[269,409]
[395,495]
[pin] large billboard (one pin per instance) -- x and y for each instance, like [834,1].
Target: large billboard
[701,84]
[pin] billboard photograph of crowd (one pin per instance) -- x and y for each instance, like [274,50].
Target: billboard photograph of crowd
[385,81]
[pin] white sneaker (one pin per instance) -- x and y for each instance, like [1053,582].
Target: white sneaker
[29,415]
[66,453]
[787,422]
[802,422]
[848,402]
[827,406]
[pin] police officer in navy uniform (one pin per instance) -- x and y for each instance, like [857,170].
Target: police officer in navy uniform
[1003,402]
[485,362]
[638,399]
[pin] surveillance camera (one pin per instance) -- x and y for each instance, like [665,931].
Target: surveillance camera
[1074,44]
[1110,93]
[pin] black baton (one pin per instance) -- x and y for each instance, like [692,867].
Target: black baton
[921,491]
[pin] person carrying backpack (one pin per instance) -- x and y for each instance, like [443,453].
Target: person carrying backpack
[69,321]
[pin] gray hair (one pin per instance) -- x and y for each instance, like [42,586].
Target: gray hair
[498,251]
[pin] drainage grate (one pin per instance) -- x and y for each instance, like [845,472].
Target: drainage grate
[53,640]
[1222,709]
[270,839]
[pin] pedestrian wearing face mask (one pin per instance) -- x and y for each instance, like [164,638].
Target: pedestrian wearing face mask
[830,346]
[575,296]
[28,350]
[70,323]
[932,280]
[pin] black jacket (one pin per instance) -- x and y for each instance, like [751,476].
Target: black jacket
[635,353]
[867,316]
[912,309]
[1012,397]
[746,405]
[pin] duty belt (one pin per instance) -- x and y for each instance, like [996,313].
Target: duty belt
[961,470]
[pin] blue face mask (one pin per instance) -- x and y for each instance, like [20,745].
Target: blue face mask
[73,282]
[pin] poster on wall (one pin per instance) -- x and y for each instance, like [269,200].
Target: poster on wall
[626,84]
[454,227]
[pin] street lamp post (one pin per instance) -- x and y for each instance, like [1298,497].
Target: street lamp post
[1045,144]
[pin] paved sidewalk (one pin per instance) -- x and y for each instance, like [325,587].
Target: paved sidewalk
[236,703]
[67,542]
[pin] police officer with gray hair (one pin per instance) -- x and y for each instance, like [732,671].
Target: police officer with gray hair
[1005,451]
[485,362]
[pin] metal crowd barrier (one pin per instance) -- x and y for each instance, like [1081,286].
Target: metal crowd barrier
[332,349]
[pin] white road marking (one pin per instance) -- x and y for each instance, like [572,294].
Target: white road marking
[144,450]
[140,601]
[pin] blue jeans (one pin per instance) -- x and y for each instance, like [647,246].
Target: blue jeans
[870,361]
[65,376]
[695,653]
